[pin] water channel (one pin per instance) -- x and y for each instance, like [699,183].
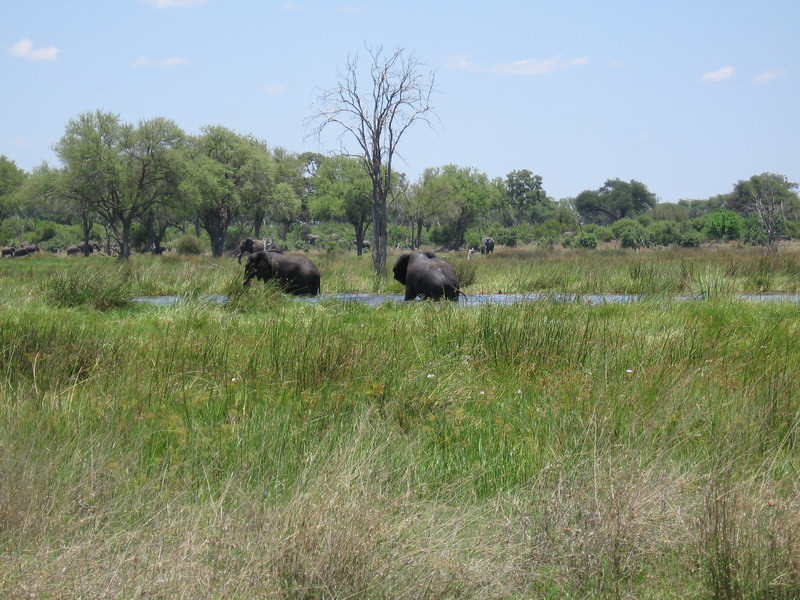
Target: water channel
[486,299]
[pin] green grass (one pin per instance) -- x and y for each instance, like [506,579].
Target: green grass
[274,448]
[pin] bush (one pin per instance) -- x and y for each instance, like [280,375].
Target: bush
[586,240]
[189,244]
[506,237]
[633,236]
[724,225]
[692,239]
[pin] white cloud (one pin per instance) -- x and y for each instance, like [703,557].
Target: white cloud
[292,7]
[768,76]
[525,67]
[719,75]
[175,61]
[274,89]
[24,49]
[174,3]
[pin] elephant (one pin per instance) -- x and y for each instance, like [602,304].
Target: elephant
[26,249]
[295,273]
[426,277]
[487,245]
[84,248]
[8,251]
[250,245]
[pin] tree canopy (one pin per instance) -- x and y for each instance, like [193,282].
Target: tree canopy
[615,200]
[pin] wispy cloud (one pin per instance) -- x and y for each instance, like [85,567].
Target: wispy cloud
[274,89]
[293,7]
[720,74]
[525,67]
[768,76]
[174,3]
[175,61]
[25,49]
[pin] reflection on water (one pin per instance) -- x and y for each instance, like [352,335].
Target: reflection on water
[484,299]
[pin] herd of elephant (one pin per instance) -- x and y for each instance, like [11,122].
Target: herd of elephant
[423,274]
[23,250]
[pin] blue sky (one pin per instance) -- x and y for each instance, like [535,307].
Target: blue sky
[687,97]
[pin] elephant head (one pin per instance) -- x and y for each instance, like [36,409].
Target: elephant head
[427,277]
[487,245]
[295,273]
[250,245]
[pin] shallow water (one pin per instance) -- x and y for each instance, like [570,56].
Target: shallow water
[485,299]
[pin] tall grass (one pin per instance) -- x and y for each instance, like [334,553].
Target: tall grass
[270,447]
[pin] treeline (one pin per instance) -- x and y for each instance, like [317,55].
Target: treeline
[143,187]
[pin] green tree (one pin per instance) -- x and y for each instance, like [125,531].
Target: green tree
[526,197]
[343,190]
[11,180]
[226,172]
[615,200]
[463,195]
[118,170]
[770,199]
[724,225]
[376,117]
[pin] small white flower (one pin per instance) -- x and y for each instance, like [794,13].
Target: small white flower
[431,375]
[629,370]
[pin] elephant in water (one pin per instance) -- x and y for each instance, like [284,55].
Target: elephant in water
[426,276]
[250,245]
[295,273]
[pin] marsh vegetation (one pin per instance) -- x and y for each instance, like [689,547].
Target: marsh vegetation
[268,447]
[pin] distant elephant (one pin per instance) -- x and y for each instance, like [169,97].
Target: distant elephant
[426,276]
[26,249]
[250,245]
[295,273]
[8,251]
[84,248]
[487,245]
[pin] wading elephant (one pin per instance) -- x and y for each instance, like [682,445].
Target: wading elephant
[426,276]
[250,245]
[295,273]
[487,245]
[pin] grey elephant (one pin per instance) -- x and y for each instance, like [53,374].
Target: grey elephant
[26,249]
[251,245]
[295,273]
[426,277]
[487,245]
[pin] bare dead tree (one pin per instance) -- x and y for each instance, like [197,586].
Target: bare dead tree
[376,116]
[767,204]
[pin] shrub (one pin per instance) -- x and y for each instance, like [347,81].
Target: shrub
[506,237]
[586,240]
[189,244]
[633,236]
[691,239]
[724,225]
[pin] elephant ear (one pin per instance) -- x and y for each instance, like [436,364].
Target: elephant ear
[401,267]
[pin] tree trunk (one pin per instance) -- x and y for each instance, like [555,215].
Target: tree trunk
[379,236]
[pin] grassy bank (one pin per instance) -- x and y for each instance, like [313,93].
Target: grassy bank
[275,448]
